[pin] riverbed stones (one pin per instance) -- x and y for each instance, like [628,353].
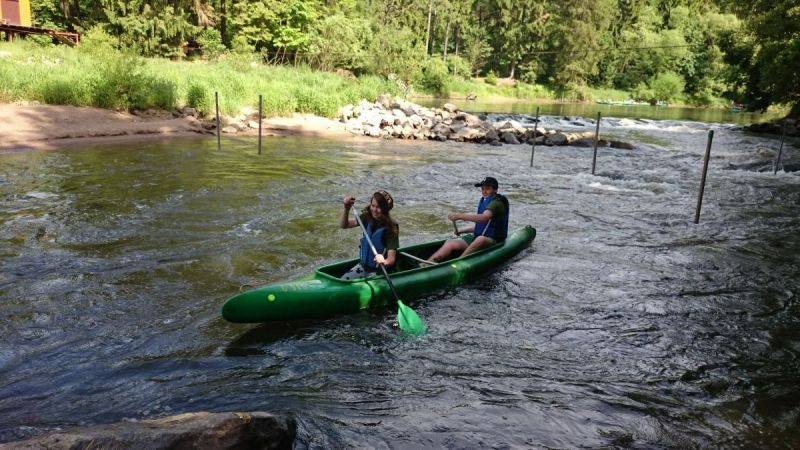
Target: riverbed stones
[192,430]
[397,118]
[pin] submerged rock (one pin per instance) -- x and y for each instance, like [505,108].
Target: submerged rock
[185,431]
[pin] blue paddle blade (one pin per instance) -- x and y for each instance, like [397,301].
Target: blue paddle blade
[409,321]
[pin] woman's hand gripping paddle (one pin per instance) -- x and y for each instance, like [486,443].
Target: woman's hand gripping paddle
[407,318]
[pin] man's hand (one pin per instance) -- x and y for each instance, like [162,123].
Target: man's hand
[349,201]
[380,259]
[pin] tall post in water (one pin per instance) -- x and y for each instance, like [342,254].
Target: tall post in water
[703,178]
[596,137]
[533,142]
[780,150]
[259,123]
[216,109]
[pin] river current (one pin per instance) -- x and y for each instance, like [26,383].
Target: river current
[625,325]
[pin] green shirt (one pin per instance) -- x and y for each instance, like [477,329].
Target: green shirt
[497,207]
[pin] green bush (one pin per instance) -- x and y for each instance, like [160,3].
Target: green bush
[643,92]
[41,40]
[62,91]
[97,41]
[279,102]
[211,43]
[433,76]
[667,86]
[117,77]
[310,99]
[458,67]
[199,98]
[153,92]
[491,78]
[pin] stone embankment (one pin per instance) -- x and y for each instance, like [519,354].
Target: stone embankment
[397,118]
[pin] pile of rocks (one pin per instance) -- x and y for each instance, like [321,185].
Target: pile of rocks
[397,118]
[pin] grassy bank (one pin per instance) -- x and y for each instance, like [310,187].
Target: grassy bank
[105,78]
[96,75]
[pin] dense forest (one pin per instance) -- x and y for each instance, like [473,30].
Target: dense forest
[697,51]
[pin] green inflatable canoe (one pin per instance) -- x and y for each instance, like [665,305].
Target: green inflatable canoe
[323,294]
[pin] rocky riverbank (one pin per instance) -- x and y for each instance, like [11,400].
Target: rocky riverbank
[401,119]
[192,430]
[34,126]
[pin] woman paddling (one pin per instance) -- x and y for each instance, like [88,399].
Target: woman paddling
[383,231]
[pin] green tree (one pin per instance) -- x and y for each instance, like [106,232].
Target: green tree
[667,86]
[391,54]
[152,28]
[340,42]
[274,27]
[582,28]
[767,54]
[516,30]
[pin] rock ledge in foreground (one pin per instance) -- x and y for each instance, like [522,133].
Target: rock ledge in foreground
[185,431]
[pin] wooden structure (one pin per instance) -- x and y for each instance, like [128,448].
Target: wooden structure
[15,12]
[15,19]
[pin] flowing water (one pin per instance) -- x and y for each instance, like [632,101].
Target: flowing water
[625,325]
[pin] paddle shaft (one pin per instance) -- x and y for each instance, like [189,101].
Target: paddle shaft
[375,253]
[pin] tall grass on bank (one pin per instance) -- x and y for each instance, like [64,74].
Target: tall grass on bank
[462,87]
[109,79]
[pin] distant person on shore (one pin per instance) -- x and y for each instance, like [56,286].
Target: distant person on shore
[491,223]
[383,231]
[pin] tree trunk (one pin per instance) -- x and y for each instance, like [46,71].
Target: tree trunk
[513,69]
[457,38]
[446,39]
[428,31]
[223,23]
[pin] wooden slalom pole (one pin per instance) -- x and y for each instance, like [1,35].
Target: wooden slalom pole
[533,142]
[259,122]
[780,150]
[216,109]
[703,178]
[596,137]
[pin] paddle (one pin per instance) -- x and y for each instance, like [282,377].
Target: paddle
[407,318]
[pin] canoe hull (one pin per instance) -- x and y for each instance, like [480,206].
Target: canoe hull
[323,294]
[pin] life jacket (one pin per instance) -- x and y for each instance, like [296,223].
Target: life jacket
[497,228]
[365,253]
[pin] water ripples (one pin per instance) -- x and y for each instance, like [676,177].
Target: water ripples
[625,325]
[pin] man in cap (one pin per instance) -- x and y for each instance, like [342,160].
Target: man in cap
[491,224]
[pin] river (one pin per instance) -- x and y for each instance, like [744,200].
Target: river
[624,325]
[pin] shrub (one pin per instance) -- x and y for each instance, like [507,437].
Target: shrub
[116,79]
[199,98]
[211,43]
[97,40]
[433,76]
[312,100]
[62,91]
[153,92]
[667,86]
[491,78]
[643,92]
[458,67]
[279,102]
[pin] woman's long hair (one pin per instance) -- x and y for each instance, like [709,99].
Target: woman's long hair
[386,202]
